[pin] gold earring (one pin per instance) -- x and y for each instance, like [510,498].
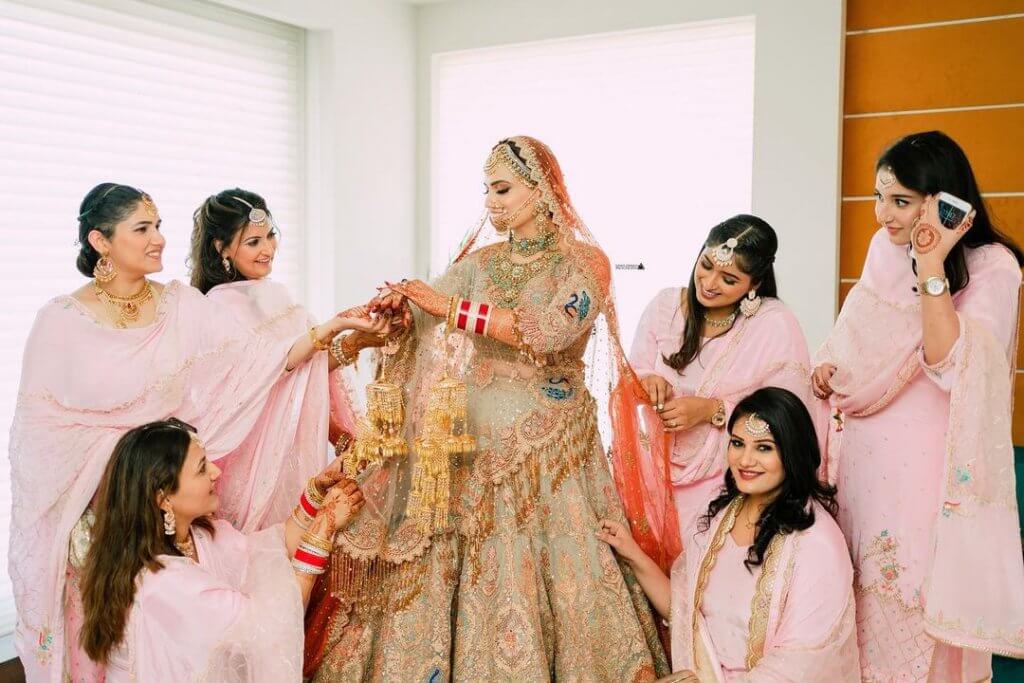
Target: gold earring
[169,526]
[104,270]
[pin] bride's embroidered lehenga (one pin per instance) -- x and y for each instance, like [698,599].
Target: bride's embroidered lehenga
[515,586]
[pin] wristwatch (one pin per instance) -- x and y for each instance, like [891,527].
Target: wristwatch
[935,286]
[718,419]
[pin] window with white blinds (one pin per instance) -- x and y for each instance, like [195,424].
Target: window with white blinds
[181,99]
[653,130]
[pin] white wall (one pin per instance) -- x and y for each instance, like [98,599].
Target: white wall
[361,137]
[797,112]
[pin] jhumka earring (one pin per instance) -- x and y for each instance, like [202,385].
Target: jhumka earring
[104,270]
[750,304]
[169,523]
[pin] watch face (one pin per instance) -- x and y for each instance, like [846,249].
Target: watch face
[935,286]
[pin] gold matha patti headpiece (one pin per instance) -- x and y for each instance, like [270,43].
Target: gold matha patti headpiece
[502,155]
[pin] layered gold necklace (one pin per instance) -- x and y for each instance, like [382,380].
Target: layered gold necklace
[125,309]
[509,277]
[188,548]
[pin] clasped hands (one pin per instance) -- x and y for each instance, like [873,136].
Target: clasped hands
[677,414]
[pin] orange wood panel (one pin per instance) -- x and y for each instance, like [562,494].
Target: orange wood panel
[930,68]
[1008,215]
[992,139]
[856,228]
[861,14]
[1018,411]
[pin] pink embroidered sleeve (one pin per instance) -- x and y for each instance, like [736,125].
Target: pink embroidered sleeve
[990,301]
[643,354]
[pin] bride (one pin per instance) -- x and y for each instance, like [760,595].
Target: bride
[475,557]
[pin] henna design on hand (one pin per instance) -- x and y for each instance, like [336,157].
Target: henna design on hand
[925,238]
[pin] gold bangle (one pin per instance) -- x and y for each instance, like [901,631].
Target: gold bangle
[318,344]
[301,519]
[313,493]
[317,541]
[339,354]
[453,303]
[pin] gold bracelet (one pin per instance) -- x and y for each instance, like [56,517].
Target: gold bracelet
[318,345]
[317,541]
[339,354]
[343,443]
[313,493]
[453,303]
[301,519]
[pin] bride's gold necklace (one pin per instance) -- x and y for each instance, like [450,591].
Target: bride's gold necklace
[510,277]
[125,309]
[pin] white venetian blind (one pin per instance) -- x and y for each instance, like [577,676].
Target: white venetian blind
[181,99]
[653,130]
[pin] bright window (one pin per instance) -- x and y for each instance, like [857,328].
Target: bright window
[181,99]
[653,128]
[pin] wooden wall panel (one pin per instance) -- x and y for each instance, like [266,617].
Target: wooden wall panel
[961,65]
[867,14]
[992,138]
[857,226]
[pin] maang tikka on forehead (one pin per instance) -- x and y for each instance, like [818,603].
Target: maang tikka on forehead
[724,255]
[502,155]
[256,216]
[756,426]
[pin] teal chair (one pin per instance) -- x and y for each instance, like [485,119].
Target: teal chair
[1012,670]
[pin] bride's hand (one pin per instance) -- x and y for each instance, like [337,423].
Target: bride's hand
[423,295]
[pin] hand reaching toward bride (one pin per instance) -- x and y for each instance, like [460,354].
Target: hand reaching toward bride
[421,294]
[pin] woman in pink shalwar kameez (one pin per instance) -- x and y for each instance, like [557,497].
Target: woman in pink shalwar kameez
[699,349]
[173,595]
[234,242]
[918,369]
[120,351]
[762,591]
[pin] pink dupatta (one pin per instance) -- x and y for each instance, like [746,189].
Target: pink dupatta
[83,385]
[802,625]
[875,348]
[288,444]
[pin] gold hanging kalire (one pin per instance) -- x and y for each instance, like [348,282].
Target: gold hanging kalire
[445,435]
[379,435]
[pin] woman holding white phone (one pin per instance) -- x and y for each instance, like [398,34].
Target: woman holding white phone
[918,370]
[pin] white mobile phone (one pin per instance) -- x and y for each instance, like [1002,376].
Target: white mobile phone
[952,210]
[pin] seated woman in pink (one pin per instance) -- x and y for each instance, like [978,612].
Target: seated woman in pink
[171,595]
[234,241]
[701,348]
[763,590]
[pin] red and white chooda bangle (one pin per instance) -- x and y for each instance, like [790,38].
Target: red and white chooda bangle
[471,316]
[312,554]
